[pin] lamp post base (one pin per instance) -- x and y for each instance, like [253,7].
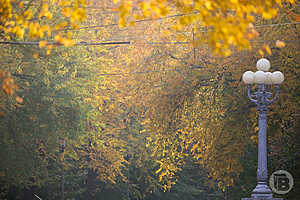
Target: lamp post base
[262,198]
[262,192]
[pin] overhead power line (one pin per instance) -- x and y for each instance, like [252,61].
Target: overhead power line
[121,43]
[167,17]
[116,24]
[141,72]
[128,42]
[59,44]
[257,26]
[279,24]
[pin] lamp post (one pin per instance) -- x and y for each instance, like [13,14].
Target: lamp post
[62,146]
[262,98]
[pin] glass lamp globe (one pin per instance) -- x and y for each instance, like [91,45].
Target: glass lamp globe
[268,78]
[263,65]
[248,77]
[259,77]
[277,77]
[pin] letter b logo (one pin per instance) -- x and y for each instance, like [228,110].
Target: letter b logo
[281,182]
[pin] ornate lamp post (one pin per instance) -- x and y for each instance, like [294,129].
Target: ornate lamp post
[62,146]
[262,98]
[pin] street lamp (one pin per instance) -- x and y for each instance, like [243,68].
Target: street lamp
[262,98]
[62,146]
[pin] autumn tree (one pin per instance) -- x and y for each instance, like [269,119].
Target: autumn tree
[38,21]
[54,101]
[224,24]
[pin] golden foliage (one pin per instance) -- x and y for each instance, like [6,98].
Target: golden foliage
[35,19]
[8,85]
[222,25]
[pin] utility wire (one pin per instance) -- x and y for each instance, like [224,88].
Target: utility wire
[116,24]
[280,24]
[128,42]
[167,17]
[150,71]
[108,74]
[141,72]
[59,44]
[123,43]
[256,26]
[135,38]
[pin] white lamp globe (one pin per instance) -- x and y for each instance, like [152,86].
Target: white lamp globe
[259,77]
[268,78]
[277,77]
[248,77]
[263,65]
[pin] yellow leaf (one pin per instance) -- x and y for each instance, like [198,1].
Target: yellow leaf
[48,15]
[49,47]
[254,138]
[291,1]
[19,99]
[266,15]
[296,17]
[45,28]
[132,23]
[35,55]
[20,33]
[61,25]
[145,6]
[45,7]
[75,26]
[42,43]
[227,52]
[157,171]
[208,5]
[166,32]
[66,12]
[268,50]
[194,148]
[122,22]
[45,12]
[280,44]
[64,3]
[48,52]
[57,38]
[261,52]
